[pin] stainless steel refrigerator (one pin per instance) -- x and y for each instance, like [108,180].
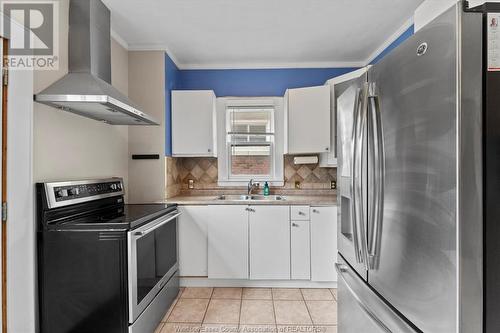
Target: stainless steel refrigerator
[419,182]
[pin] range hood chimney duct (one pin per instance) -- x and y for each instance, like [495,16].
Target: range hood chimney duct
[86,89]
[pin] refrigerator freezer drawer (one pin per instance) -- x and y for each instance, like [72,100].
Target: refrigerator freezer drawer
[360,310]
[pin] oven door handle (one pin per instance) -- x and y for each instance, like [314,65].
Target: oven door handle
[156,226]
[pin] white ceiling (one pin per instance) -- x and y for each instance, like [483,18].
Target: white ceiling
[262,33]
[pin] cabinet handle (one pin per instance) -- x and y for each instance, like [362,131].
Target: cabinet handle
[250,210]
[295,225]
[327,149]
[209,150]
[302,213]
[316,211]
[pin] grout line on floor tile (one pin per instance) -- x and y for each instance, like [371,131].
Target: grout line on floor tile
[160,327]
[172,307]
[308,311]
[331,292]
[274,310]
[206,310]
[241,306]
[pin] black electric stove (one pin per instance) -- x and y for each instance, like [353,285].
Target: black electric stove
[103,265]
[92,204]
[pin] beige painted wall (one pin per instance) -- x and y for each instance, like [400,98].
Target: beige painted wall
[147,89]
[67,146]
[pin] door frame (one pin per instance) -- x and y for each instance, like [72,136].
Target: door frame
[20,313]
[3,180]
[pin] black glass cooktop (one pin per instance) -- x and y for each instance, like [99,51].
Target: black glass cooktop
[117,217]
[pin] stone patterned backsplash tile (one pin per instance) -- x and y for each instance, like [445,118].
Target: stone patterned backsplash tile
[204,172]
[173,177]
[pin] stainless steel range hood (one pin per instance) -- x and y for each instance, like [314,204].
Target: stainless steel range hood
[86,90]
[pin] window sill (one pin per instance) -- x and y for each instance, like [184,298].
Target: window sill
[238,183]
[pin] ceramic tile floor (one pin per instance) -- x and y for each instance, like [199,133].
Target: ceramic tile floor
[252,310]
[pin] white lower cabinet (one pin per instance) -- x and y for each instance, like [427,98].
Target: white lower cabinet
[227,242]
[300,250]
[258,242]
[193,241]
[323,243]
[269,242]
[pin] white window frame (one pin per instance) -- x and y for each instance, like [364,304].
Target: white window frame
[276,177]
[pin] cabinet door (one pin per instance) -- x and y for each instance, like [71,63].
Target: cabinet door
[300,250]
[193,123]
[308,118]
[323,243]
[228,242]
[329,160]
[269,242]
[193,241]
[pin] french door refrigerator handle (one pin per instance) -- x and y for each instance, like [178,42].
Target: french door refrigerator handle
[343,270]
[357,184]
[379,178]
[353,207]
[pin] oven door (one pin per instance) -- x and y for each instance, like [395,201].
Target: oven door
[152,261]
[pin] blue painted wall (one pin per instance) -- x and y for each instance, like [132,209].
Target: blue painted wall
[256,82]
[251,82]
[171,83]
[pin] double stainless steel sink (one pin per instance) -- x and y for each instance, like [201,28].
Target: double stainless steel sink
[245,197]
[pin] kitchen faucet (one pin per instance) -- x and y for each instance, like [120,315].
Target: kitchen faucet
[251,185]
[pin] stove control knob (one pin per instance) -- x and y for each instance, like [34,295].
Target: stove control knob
[74,191]
[62,193]
[114,186]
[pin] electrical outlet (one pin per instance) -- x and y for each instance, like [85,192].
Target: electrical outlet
[333,184]
[297,185]
[191,184]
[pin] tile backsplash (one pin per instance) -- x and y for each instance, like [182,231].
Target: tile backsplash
[203,171]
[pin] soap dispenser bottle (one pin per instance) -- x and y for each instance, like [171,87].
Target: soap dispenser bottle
[266,189]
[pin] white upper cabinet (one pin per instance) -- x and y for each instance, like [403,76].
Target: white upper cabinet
[307,120]
[329,159]
[194,123]
[269,242]
[323,243]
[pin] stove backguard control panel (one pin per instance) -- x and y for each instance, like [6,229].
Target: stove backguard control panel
[62,193]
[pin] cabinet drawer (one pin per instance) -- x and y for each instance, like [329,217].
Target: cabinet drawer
[299,213]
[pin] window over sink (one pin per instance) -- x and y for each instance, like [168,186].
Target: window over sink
[252,141]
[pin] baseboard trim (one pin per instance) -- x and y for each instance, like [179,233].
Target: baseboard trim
[206,282]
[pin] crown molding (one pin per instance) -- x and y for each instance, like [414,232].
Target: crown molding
[278,65]
[408,23]
[244,65]
[154,47]
[119,39]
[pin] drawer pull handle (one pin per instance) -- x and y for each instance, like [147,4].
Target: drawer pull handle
[295,225]
[302,213]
